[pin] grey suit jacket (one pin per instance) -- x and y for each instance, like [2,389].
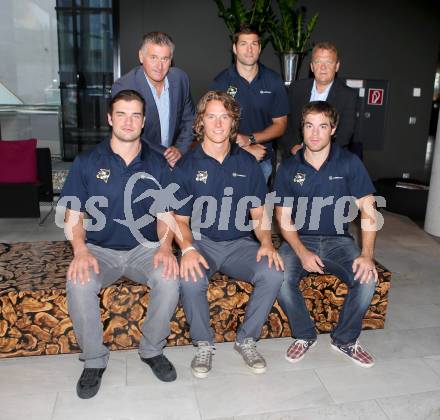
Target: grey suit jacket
[181,107]
[342,97]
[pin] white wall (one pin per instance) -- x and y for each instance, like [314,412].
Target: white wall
[29,50]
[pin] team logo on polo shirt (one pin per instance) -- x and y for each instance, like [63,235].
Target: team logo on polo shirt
[232,91]
[262,92]
[103,174]
[333,178]
[299,178]
[202,176]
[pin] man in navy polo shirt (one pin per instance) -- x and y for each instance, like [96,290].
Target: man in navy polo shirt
[316,186]
[116,184]
[261,94]
[224,188]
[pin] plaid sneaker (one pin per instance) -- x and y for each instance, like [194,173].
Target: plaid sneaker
[202,362]
[298,349]
[249,352]
[356,353]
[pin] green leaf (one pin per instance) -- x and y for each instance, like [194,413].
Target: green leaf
[289,32]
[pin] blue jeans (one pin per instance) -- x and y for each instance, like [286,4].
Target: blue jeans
[266,168]
[236,259]
[337,253]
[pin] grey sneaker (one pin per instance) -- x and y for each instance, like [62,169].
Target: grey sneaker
[249,352]
[202,362]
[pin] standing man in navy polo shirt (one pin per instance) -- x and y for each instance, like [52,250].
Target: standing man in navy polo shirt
[261,94]
[226,189]
[315,187]
[107,184]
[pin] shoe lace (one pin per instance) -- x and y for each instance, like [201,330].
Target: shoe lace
[249,349]
[303,343]
[354,348]
[203,354]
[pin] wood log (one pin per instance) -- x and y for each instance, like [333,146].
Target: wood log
[117,322]
[14,332]
[72,338]
[52,348]
[136,312]
[123,340]
[29,342]
[3,327]
[215,293]
[175,327]
[63,342]
[135,333]
[61,304]
[275,324]
[62,327]
[45,320]
[8,345]
[23,322]
[31,304]
[12,298]
[8,310]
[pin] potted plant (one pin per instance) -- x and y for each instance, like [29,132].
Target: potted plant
[290,36]
[257,15]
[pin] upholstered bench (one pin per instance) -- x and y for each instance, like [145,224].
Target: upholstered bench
[34,318]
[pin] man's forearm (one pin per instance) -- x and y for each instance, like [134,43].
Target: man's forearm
[262,225]
[165,229]
[273,131]
[368,224]
[77,233]
[288,230]
[368,240]
[185,239]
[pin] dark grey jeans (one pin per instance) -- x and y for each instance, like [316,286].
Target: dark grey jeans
[83,301]
[236,259]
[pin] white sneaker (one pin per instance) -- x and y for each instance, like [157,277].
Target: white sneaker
[249,352]
[201,363]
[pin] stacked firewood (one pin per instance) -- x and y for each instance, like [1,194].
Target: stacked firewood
[34,316]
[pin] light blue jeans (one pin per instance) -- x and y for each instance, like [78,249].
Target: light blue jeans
[84,309]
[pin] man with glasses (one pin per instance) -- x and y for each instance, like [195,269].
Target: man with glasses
[169,108]
[323,87]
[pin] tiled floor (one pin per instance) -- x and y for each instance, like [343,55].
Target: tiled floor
[404,384]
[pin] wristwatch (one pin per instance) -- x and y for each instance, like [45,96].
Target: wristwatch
[252,140]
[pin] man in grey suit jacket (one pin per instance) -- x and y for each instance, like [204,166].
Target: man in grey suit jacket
[323,87]
[169,109]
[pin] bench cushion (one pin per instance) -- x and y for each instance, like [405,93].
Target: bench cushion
[34,316]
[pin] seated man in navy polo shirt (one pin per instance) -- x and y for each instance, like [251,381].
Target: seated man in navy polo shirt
[316,186]
[224,188]
[261,94]
[116,184]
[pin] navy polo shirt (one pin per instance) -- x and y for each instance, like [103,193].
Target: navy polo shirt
[219,192]
[100,172]
[262,99]
[341,175]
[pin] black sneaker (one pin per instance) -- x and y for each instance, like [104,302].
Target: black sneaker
[89,382]
[161,367]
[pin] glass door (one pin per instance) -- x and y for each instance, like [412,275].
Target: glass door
[86,43]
